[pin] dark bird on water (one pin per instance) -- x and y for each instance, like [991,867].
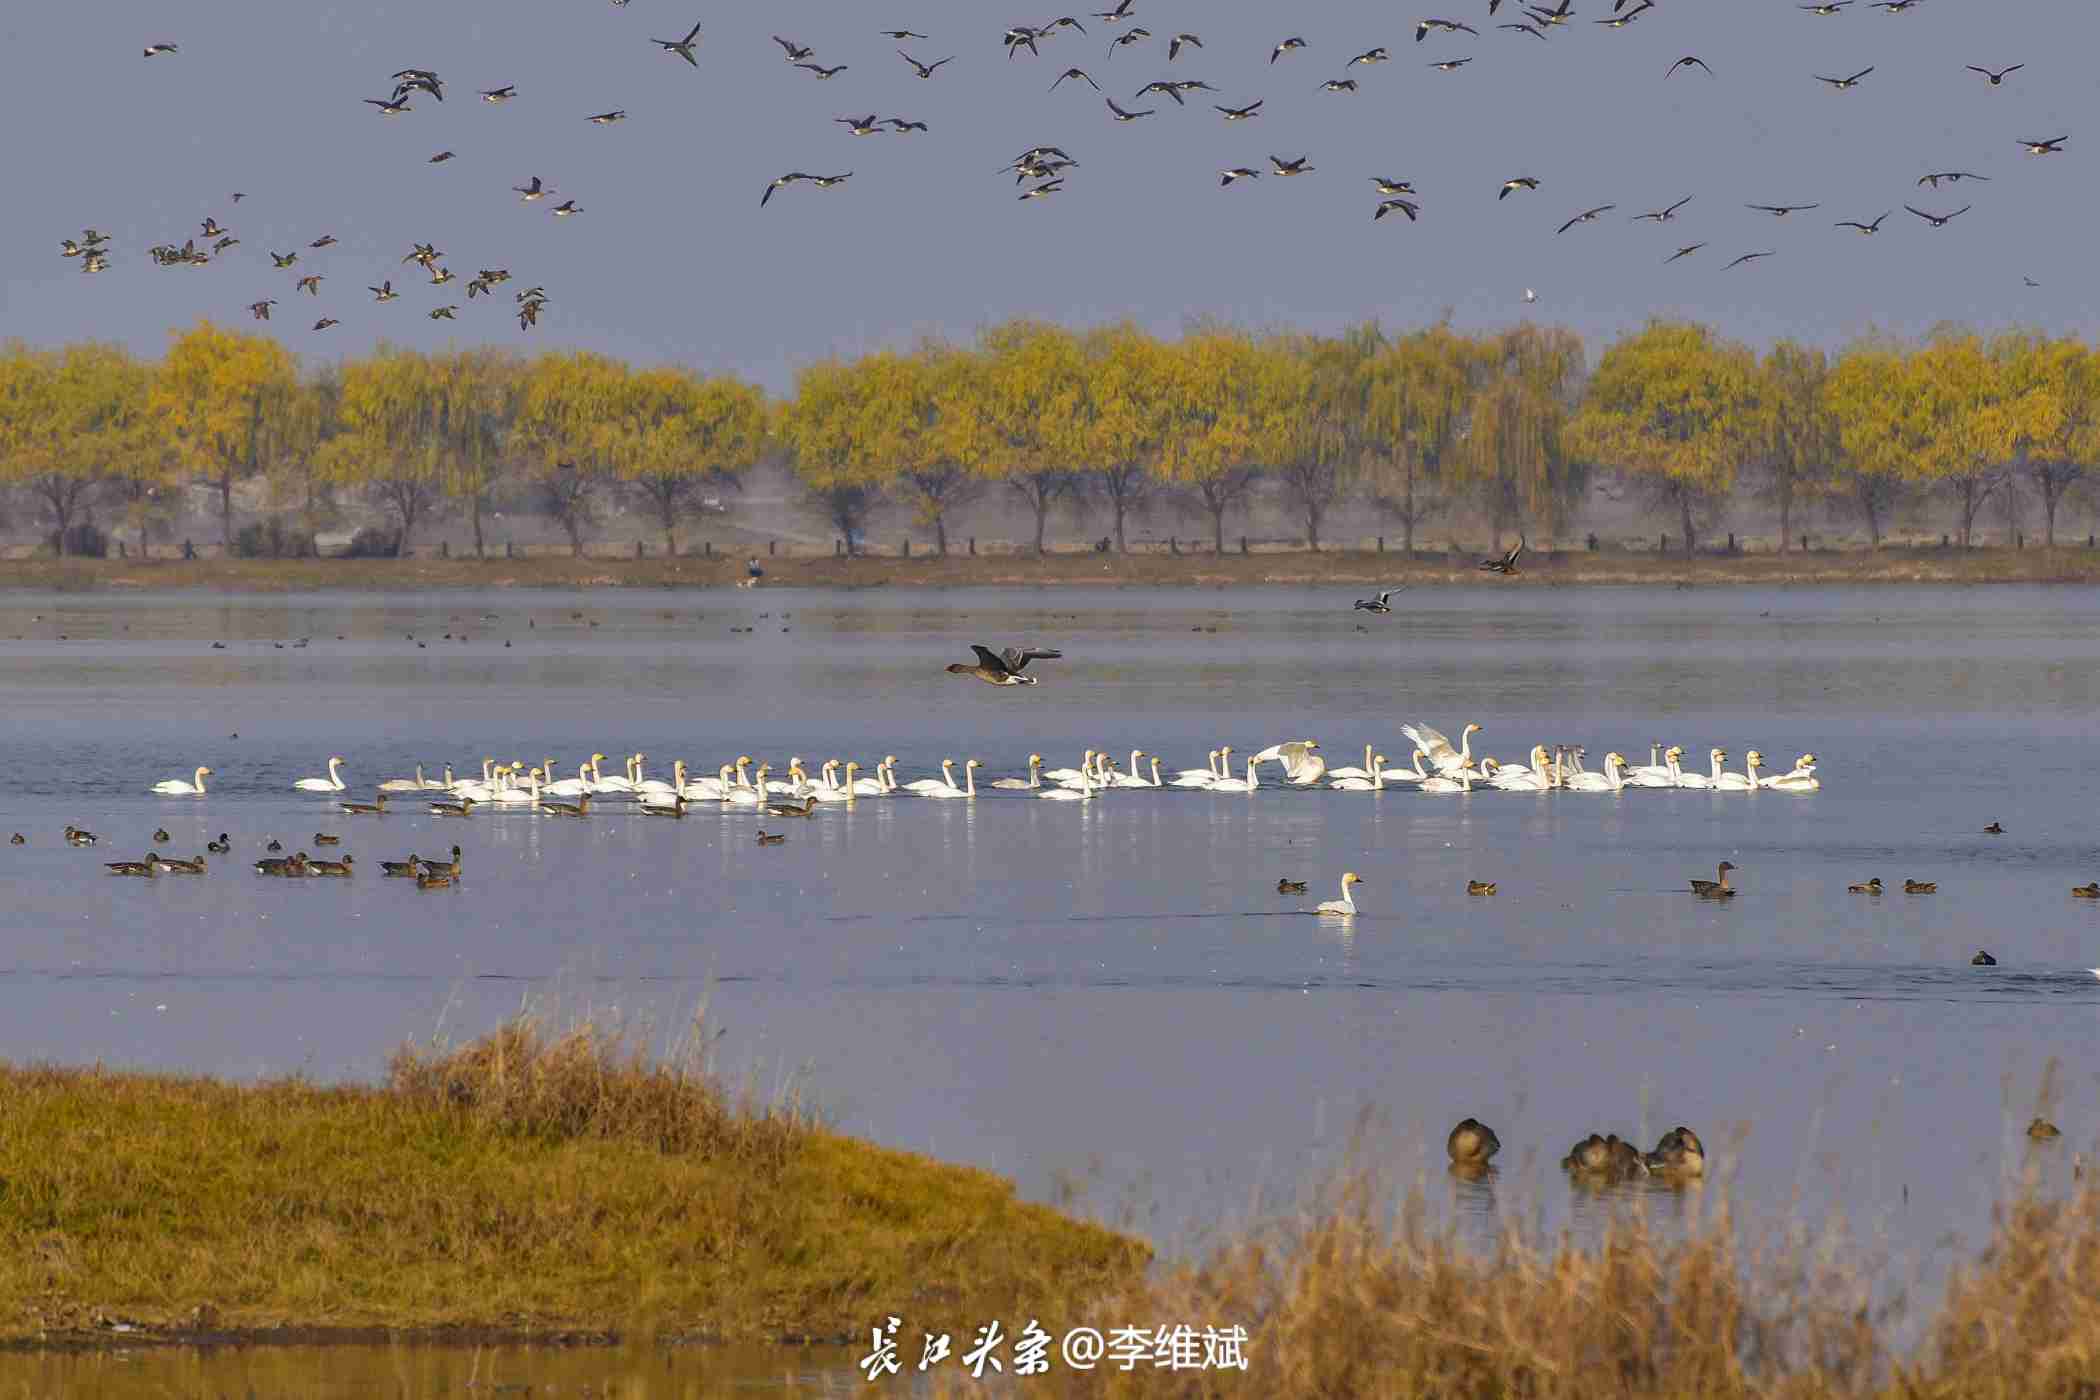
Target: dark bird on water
[994,668]
[1718,888]
[1994,829]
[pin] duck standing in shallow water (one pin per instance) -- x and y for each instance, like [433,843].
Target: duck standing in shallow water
[1679,1153]
[1471,1145]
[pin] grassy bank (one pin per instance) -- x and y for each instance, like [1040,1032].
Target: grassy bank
[525,1184]
[1361,569]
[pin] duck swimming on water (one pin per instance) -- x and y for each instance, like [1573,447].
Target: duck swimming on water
[1718,888]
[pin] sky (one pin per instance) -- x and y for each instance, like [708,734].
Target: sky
[672,259]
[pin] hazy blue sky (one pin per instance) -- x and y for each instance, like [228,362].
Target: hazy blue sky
[673,259]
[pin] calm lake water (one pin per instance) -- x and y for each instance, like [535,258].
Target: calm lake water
[1113,990]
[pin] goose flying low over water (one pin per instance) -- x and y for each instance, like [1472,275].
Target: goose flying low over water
[1505,564]
[1381,604]
[995,668]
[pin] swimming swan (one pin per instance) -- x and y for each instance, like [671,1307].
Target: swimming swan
[1345,906]
[1375,783]
[1437,749]
[176,787]
[1247,784]
[332,783]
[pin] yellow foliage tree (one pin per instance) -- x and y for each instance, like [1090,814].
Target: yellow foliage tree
[1122,414]
[1863,397]
[1515,453]
[1677,411]
[477,400]
[570,425]
[683,432]
[1798,430]
[2056,393]
[1217,423]
[1417,392]
[226,398]
[1026,428]
[834,428]
[389,445]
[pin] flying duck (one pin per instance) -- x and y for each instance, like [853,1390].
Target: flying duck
[311,284]
[1750,257]
[1381,604]
[1003,669]
[1505,564]
[566,208]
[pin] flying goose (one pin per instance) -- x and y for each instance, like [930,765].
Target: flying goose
[1865,229]
[1236,114]
[1131,37]
[1003,668]
[1079,73]
[1386,207]
[1940,220]
[1997,77]
[155,50]
[260,310]
[925,70]
[900,125]
[1292,167]
[1503,564]
[1894,7]
[1123,116]
[1451,65]
[1381,604]
[795,52]
[1339,85]
[1560,14]
[825,182]
[1715,889]
[780,182]
[900,34]
[1044,190]
[870,125]
[1689,61]
[1389,186]
[1663,216]
[440,158]
[1120,13]
[1175,45]
[2046,148]
[1167,88]
[682,47]
[501,94]
[1686,251]
[566,208]
[608,118]
[390,109]
[1368,57]
[1533,30]
[1840,84]
[311,284]
[1588,216]
[325,322]
[1449,26]
[1620,21]
[823,74]
[1829,7]
[1240,172]
[1780,211]
[1951,177]
[1521,182]
[1750,257]
[1294,42]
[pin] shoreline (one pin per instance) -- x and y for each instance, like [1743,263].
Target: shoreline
[1362,569]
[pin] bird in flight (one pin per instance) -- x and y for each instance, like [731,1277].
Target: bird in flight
[823,74]
[501,94]
[1829,8]
[1620,21]
[390,109]
[1585,217]
[780,182]
[1449,26]
[325,322]
[1003,668]
[825,182]
[900,35]
[1176,44]
[1294,42]
[1168,88]
[1840,84]
[1663,216]
[1894,7]
[384,292]
[1532,30]
[1951,176]
[924,70]
[1866,230]
[566,208]
[530,192]
[1236,114]
[1292,167]
[1389,186]
[1240,172]
[900,126]
[443,313]
[1388,206]
[795,52]
[1940,220]
[1521,182]
[1339,85]
[1997,77]
[870,125]
[260,310]
[311,284]
[682,47]
[1368,57]
[1123,116]
[1079,73]
[1780,211]
[1451,65]
[1686,251]
[440,158]
[608,118]
[1749,257]
[2030,281]
[155,50]
[1122,40]
[1381,604]
[284,259]
[1504,564]
[1690,60]
[1119,13]
[2046,148]
[1042,191]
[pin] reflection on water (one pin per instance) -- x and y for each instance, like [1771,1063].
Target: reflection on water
[1038,987]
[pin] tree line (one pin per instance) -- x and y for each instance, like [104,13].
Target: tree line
[1513,426]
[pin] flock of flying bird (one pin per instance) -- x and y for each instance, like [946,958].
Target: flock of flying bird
[1042,167]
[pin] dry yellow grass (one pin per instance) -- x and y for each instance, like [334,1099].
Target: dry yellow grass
[528,1182]
[1341,568]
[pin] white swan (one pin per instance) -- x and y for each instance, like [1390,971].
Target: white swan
[1516,778]
[600,784]
[656,789]
[1098,771]
[1607,781]
[1406,775]
[1801,779]
[1247,784]
[1345,906]
[569,787]
[1437,749]
[176,787]
[1730,782]
[1033,780]
[1135,778]
[1195,777]
[1675,755]
[416,784]
[708,789]
[970,768]
[750,796]
[514,794]
[1081,793]
[1462,783]
[1370,766]
[798,781]
[926,785]
[831,790]
[1653,773]
[1375,765]
[877,786]
[1084,770]
[332,783]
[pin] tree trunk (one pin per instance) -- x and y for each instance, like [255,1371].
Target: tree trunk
[667,509]
[1786,512]
[1217,524]
[940,533]
[1116,503]
[1042,521]
[575,529]
[1684,515]
[1407,520]
[1313,511]
[479,552]
[2049,490]
[225,485]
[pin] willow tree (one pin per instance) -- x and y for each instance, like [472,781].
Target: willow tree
[826,432]
[1964,419]
[1875,451]
[1312,397]
[1798,430]
[1676,410]
[389,447]
[942,390]
[1216,423]
[569,426]
[34,451]
[1416,392]
[1122,411]
[1028,425]
[477,399]
[2057,393]
[1515,454]
[225,397]
[686,433]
